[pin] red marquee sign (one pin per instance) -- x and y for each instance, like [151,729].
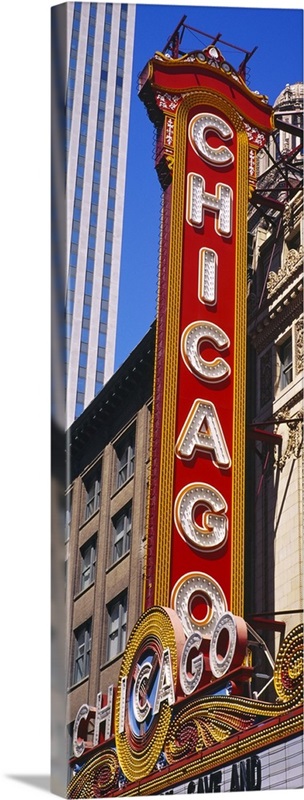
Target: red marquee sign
[205,158]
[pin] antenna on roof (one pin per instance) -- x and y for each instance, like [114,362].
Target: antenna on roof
[175,39]
[242,67]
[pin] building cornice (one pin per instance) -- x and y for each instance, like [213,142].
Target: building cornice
[264,330]
[132,381]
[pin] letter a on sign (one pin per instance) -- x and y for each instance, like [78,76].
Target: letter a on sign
[202,431]
[165,686]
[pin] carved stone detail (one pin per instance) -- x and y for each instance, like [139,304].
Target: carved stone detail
[295,435]
[292,214]
[299,345]
[287,221]
[275,280]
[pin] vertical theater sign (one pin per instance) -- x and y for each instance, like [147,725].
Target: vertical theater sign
[182,717]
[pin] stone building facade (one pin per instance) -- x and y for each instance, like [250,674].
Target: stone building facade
[275,377]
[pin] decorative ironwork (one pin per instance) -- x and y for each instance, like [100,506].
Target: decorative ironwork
[211,57]
[168,102]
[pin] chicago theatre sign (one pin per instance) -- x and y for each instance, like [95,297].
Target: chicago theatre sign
[183,684]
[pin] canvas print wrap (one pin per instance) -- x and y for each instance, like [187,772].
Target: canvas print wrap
[178,638]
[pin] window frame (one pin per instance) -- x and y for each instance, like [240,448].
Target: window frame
[119,630]
[126,448]
[92,483]
[286,365]
[123,535]
[82,650]
[89,547]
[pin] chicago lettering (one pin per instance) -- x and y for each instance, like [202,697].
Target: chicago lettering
[195,669]
[202,431]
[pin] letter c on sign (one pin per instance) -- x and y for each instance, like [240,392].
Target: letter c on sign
[78,743]
[198,128]
[192,338]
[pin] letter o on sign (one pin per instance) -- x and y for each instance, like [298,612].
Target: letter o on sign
[194,586]
[228,644]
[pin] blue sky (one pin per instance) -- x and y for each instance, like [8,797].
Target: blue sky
[278,35]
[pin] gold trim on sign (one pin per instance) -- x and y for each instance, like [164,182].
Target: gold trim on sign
[144,590]
[239,383]
[167,453]
[167,456]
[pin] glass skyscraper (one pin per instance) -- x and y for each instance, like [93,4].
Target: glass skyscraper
[99,40]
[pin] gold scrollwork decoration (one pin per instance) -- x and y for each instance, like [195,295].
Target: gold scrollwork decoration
[199,727]
[210,720]
[96,779]
[288,672]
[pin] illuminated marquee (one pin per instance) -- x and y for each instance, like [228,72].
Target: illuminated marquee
[160,718]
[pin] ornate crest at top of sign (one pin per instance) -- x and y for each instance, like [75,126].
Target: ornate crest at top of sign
[209,61]
[211,57]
